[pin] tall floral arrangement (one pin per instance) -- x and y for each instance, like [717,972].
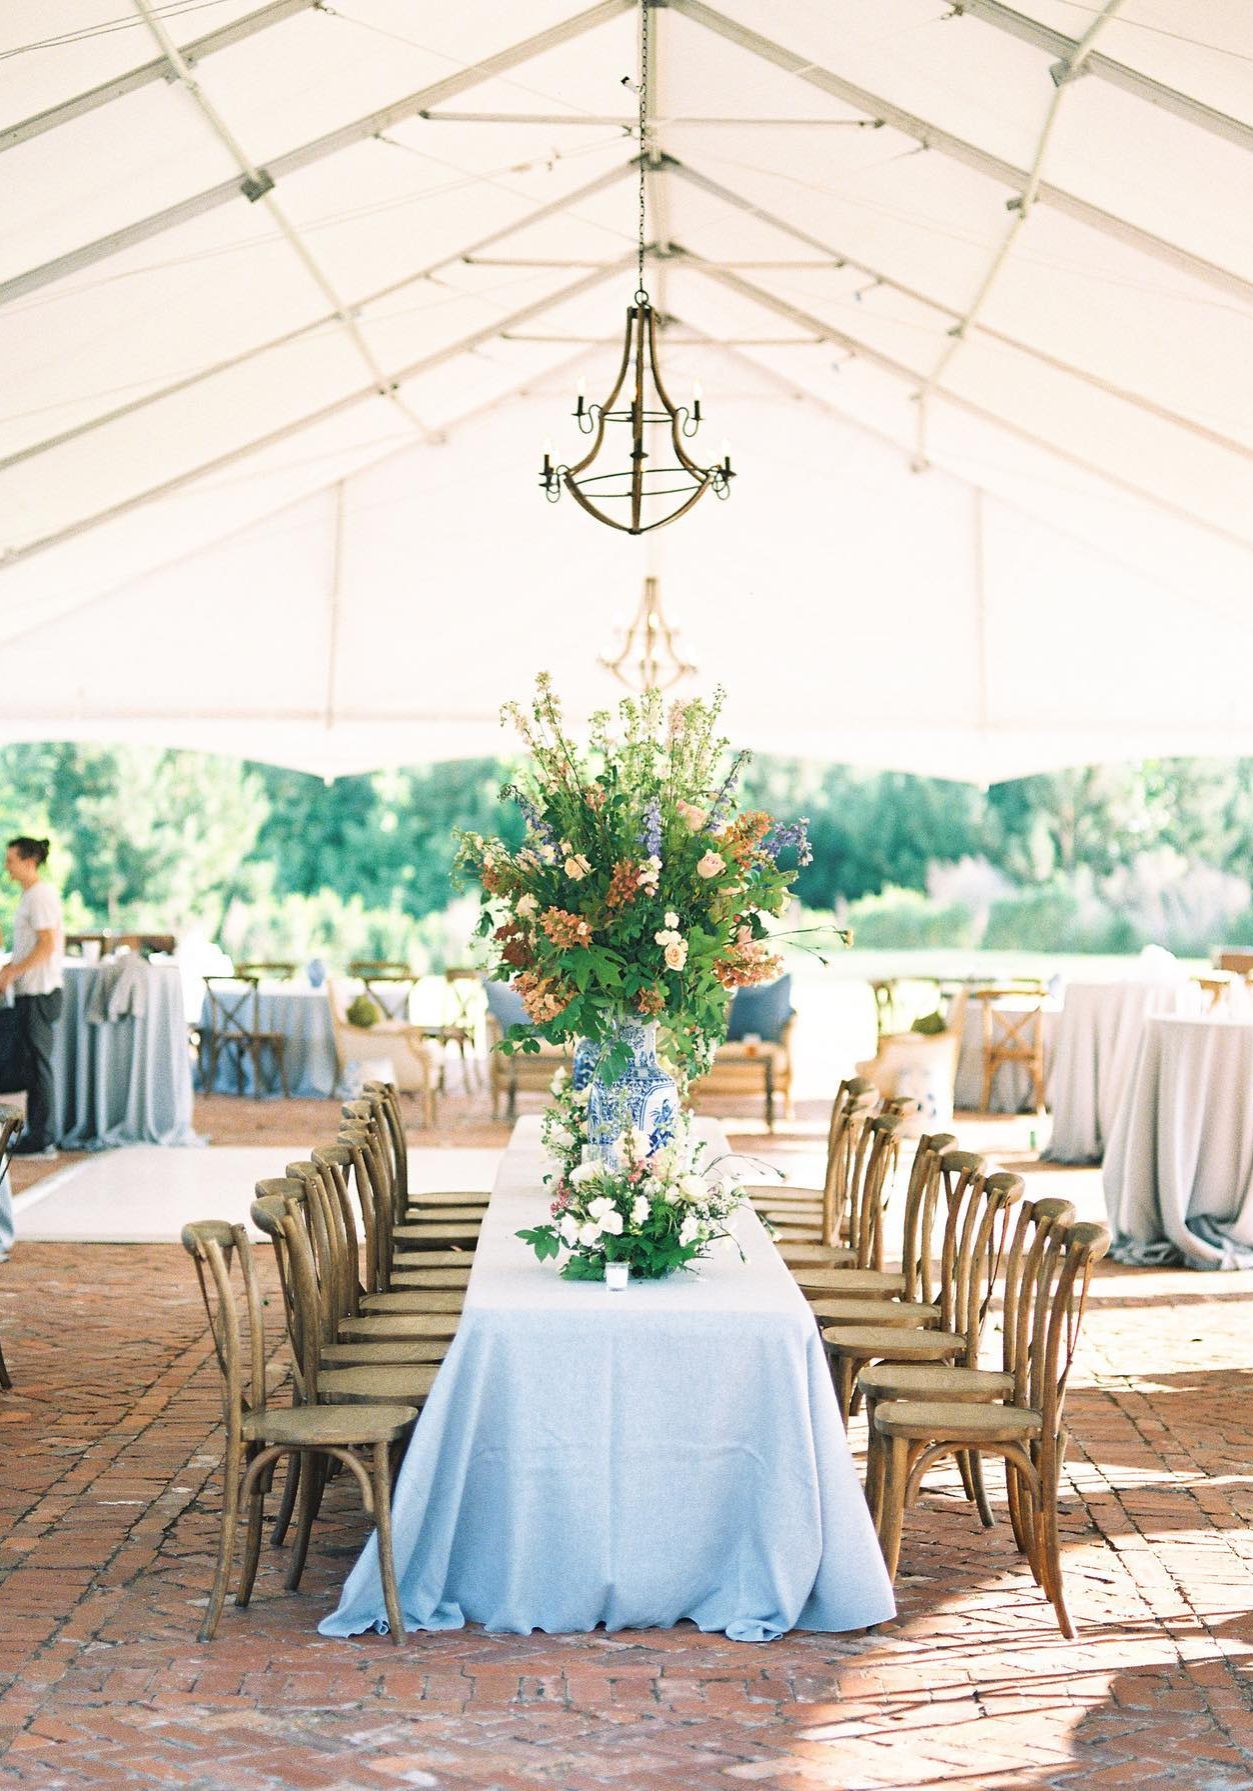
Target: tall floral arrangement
[641,889]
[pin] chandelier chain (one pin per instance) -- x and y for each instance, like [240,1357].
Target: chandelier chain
[644,147]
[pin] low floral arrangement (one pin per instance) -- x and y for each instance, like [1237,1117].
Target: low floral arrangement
[656,1213]
[640,889]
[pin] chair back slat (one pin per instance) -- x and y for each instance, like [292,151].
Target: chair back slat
[215,1247]
[844,1159]
[922,1197]
[875,1165]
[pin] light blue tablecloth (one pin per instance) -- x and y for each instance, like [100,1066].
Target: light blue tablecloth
[586,1457]
[124,1081]
[303,1016]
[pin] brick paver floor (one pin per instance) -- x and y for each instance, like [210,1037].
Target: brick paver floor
[109,1496]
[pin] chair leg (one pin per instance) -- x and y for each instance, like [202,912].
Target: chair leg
[281,1054]
[252,1542]
[291,1483]
[226,1543]
[383,1521]
[311,1483]
[842,1370]
[892,1509]
[974,1465]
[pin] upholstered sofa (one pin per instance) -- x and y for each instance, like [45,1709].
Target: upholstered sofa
[757,1056]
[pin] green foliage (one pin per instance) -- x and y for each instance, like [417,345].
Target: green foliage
[363,1012]
[929,1024]
[1057,919]
[904,920]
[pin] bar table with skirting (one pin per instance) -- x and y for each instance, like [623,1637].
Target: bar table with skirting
[125,1079]
[632,1459]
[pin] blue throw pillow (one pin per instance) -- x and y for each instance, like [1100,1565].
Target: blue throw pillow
[763,1010]
[505,1005]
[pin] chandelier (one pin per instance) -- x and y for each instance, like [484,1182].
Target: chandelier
[639,489]
[648,658]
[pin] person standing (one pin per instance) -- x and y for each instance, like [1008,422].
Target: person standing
[34,974]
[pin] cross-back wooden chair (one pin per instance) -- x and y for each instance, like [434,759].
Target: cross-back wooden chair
[388,982]
[436,1206]
[1012,1034]
[821,1234]
[976,1208]
[779,1198]
[1027,1431]
[11,1127]
[965,1380]
[916,1279]
[235,1032]
[257,1436]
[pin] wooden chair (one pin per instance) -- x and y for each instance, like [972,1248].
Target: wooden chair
[12,1125]
[235,1030]
[966,1381]
[1214,986]
[1012,1035]
[916,1279]
[976,1210]
[258,1436]
[431,1204]
[267,970]
[827,1236]
[143,942]
[1027,1431]
[74,942]
[389,984]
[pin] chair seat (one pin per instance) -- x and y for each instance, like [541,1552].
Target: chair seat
[376,1325]
[422,1199]
[387,1353]
[780,1191]
[848,1281]
[319,1426]
[415,1299]
[852,1311]
[934,1380]
[430,1278]
[434,1237]
[443,1259]
[872,1341]
[814,1255]
[924,1421]
[378,1383]
[798,1234]
[445,1215]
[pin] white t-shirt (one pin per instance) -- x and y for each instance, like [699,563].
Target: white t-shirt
[38,910]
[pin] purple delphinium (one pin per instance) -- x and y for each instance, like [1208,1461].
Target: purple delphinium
[781,837]
[650,835]
[534,820]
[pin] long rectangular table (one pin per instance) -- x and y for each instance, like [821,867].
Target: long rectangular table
[631,1459]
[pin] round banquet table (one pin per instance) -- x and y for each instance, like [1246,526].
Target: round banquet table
[1098,1036]
[1179,1166]
[303,1016]
[123,1081]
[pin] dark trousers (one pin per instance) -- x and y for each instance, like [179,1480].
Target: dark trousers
[38,1015]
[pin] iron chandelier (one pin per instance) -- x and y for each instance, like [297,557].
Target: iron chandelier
[640,484]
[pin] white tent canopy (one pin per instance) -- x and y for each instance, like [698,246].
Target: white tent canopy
[969,288]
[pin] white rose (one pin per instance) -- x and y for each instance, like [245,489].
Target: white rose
[559,1080]
[672,920]
[569,1229]
[581,1095]
[640,1209]
[596,1209]
[690,1230]
[584,1172]
[612,1223]
[693,1187]
[640,1142]
[711,865]
[560,1138]
[589,1233]
[676,955]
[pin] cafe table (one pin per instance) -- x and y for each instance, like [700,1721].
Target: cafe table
[1179,1168]
[633,1459]
[1098,1036]
[125,1080]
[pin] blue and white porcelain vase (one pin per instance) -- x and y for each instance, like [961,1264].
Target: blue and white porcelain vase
[640,1096]
[583,1067]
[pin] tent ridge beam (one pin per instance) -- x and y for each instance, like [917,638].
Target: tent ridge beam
[336,407]
[291,161]
[899,370]
[983,161]
[150,72]
[325,321]
[1148,405]
[1106,68]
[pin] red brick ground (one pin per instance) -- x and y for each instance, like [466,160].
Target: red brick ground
[108,1510]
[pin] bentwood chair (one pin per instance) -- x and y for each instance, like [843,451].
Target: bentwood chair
[1027,1431]
[965,1381]
[976,1206]
[916,1277]
[11,1127]
[258,1436]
